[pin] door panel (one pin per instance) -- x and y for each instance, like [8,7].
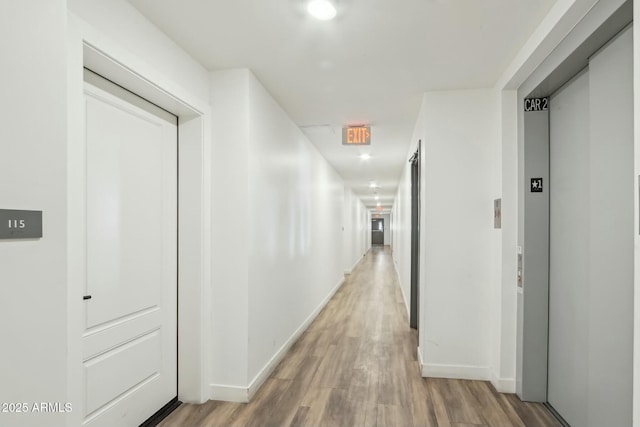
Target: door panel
[124,258]
[135,362]
[129,344]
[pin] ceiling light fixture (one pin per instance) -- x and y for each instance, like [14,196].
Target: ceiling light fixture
[365,156]
[323,10]
[377,198]
[373,185]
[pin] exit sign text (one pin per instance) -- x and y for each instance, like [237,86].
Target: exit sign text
[356,135]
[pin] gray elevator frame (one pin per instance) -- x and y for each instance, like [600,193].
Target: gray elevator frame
[600,24]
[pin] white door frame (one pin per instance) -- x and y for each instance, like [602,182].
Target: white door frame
[88,48]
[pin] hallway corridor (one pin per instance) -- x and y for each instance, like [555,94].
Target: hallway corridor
[356,366]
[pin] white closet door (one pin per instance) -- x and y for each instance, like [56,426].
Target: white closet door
[129,343]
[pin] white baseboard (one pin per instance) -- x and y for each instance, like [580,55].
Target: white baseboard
[503,385]
[262,376]
[353,267]
[228,393]
[244,394]
[462,372]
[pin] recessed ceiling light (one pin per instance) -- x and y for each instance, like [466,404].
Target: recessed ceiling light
[365,156]
[323,10]
[377,198]
[378,203]
[373,185]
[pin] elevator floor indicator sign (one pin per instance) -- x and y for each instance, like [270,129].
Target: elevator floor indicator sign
[536,185]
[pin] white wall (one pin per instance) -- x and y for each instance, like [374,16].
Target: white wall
[295,229]
[355,229]
[504,345]
[123,25]
[402,235]
[278,239]
[33,294]
[387,228]
[458,242]
[229,315]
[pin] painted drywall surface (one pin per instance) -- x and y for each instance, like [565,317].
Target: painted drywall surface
[387,228]
[346,230]
[295,228]
[456,274]
[230,230]
[495,244]
[355,217]
[33,294]
[505,367]
[121,22]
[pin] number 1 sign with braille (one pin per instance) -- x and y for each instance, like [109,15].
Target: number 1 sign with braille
[536,185]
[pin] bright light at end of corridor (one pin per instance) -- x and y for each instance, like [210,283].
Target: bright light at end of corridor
[373,185]
[323,10]
[365,156]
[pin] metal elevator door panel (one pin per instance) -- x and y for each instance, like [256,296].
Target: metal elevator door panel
[612,228]
[591,241]
[568,249]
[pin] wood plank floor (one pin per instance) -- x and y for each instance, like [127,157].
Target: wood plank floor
[356,366]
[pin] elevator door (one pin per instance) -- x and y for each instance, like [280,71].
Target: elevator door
[130,321]
[591,241]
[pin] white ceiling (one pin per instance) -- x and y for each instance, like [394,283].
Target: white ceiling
[368,66]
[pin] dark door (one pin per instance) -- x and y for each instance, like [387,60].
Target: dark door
[377,231]
[415,235]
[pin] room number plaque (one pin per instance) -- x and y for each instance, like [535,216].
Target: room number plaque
[16,224]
